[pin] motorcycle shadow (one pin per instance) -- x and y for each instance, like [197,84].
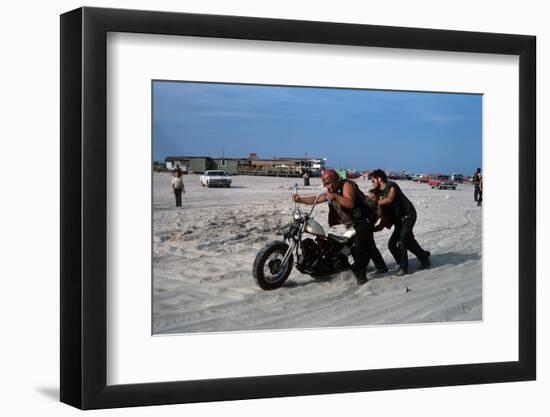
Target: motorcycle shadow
[340,276]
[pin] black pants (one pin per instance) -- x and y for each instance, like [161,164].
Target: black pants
[177,193]
[402,239]
[364,248]
[477,192]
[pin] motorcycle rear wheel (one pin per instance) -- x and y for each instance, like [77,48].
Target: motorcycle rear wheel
[267,269]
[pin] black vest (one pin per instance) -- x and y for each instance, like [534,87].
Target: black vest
[360,211]
[476,178]
[401,205]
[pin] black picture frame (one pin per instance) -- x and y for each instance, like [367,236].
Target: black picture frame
[84,207]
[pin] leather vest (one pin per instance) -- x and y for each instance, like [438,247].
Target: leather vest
[341,215]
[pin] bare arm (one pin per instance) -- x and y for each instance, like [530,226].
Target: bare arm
[309,199]
[388,199]
[347,199]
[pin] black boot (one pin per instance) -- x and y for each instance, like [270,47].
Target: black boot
[425,262]
[360,275]
[401,272]
[379,272]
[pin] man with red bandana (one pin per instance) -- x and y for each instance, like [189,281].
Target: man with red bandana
[348,205]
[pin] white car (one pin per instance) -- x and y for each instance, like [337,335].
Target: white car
[215,179]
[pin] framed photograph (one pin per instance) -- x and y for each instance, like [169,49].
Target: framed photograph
[239,197]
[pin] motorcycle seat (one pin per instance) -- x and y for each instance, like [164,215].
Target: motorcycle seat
[337,238]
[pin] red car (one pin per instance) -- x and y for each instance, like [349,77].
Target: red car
[421,178]
[442,182]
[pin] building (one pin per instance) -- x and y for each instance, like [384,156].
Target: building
[289,166]
[306,164]
[199,164]
[252,165]
[229,165]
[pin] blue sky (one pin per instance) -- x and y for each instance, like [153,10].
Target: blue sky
[359,129]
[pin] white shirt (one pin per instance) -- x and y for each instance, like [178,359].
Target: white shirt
[177,182]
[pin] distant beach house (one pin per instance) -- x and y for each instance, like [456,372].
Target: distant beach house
[199,164]
[252,165]
[283,166]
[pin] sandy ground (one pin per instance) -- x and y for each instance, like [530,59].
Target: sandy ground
[203,255]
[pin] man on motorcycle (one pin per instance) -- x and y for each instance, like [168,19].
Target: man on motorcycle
[348,205]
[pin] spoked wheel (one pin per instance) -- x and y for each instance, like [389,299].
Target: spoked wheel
[268,270]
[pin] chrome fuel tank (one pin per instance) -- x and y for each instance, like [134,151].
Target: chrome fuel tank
[314,228]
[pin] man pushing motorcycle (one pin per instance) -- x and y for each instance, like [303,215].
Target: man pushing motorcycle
[349,206]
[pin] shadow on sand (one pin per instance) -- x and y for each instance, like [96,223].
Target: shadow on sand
[441,259]
[437,260]
[453,258]
[318,280]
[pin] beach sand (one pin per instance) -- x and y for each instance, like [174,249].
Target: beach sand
[203,255]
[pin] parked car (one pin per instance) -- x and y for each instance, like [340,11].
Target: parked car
[459,178]
[215,179]
[353,174]
[442,182]
[399,176]
[394,176]
[421,178]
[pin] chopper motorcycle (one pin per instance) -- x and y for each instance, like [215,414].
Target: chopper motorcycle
[317,253]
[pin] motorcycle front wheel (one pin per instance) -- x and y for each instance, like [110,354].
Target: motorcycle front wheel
[268,270]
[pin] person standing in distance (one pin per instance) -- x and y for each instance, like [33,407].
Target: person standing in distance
[403,214]
[178,187]
[477,188]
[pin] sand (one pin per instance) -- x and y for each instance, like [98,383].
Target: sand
[203,255]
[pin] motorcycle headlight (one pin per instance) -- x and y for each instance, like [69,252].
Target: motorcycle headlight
[296,214]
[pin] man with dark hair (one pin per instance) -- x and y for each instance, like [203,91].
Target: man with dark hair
[348,206]
[403,215]
[477,186]
[178,169]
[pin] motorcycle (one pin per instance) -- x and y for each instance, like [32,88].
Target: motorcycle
[319,256]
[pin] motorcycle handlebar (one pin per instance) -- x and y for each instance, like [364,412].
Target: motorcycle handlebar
[314,203]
